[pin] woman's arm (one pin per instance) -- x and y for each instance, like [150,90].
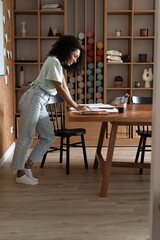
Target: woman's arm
[65,86]
[63,91]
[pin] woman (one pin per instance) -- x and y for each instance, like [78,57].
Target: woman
[66,53]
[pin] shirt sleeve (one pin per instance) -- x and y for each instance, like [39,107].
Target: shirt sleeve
[54,71]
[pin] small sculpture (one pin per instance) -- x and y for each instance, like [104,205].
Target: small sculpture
[50,33]
[24,31]
[118,81]
[147,76]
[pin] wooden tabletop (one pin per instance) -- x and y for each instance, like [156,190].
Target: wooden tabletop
[141,113]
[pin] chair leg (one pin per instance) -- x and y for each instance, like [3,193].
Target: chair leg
[142,154]
[61,150]
[43,160]
[67,155]
[84,152]
[138,149]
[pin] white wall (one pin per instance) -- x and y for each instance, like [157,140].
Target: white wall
[155,166]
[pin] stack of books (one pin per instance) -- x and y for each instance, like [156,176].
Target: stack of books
[52,6]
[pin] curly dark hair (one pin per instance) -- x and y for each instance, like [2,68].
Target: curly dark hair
[63,48]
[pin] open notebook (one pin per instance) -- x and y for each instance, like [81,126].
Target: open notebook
[97,108]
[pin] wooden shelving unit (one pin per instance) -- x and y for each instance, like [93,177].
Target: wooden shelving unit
[109,15]
[129,17]
[87,18]
[127,43]
[30,51]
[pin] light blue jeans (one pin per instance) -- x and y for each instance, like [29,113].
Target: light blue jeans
[33,115]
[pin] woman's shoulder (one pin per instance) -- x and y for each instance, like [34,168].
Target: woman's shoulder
[53,60]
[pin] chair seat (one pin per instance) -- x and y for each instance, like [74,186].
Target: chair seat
[144,133]
[70,132]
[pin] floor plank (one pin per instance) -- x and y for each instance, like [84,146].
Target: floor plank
[69,207]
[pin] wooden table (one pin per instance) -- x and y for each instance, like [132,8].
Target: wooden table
[134,115]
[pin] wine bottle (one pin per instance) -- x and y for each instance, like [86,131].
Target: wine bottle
[21,78]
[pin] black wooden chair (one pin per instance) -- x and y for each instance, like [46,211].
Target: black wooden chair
[56,112]
[143,131]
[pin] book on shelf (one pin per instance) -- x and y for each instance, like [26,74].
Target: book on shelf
[52,6]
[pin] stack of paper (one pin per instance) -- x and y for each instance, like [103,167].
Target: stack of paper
[54,6]
[97,108]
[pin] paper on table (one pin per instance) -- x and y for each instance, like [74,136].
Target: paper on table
[98,108]
[99,105]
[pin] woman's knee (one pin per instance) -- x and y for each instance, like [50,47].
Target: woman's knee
[50,138]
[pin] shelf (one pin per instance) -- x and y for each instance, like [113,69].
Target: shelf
[118,63]
[143,38]
[142,63]
[118,38]
[117,89]
[142,89]
[129,63]
[49,37]
[26,12]
[20,62]
[119,12]
[144,12]
[51,12]
[36,11]
[25,38]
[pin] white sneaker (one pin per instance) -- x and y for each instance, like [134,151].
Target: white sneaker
[26,180]
[28,173]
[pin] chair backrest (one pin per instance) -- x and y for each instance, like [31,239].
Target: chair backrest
[56,113]
[141,100]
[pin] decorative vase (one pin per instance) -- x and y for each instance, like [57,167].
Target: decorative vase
[23,29]
[147,77]
[21,77]
[118,33]
[137,84]
[55,31]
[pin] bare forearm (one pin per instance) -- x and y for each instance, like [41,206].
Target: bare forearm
[63,91]
[65,86]
[66,96]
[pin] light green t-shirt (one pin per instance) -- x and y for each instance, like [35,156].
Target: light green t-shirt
[51,72]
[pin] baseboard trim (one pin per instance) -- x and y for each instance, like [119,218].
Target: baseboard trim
[7,154]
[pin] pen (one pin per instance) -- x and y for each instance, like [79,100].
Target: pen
[106,107]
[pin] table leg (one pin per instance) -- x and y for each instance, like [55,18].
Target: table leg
[100,143]
[108,162]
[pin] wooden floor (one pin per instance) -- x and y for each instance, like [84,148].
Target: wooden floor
[69,207]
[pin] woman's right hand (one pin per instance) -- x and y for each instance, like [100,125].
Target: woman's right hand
[83,108]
